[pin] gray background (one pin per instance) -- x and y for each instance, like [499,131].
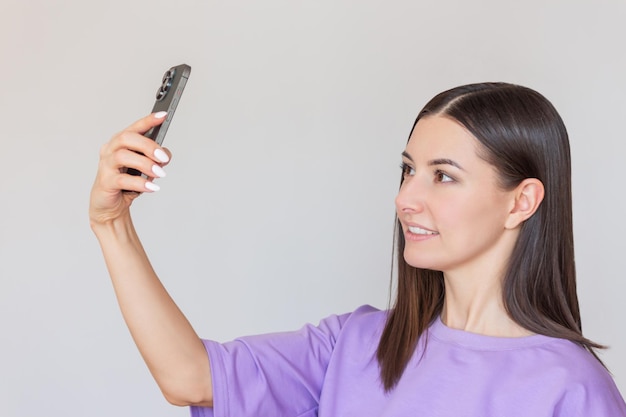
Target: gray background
[278,207]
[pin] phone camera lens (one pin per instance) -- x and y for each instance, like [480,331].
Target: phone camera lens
[165,84]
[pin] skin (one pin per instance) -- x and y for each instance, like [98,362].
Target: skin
[170,347]
[469,224]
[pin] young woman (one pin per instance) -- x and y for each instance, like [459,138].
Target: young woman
[486,319]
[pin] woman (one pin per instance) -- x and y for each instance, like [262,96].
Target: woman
[486,320]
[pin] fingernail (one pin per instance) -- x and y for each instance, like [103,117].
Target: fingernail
[160,115]
[158,171]
[152,186]
[161,156]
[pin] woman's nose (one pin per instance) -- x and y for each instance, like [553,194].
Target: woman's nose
[410,198]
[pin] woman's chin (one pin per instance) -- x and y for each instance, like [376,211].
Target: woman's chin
[421,262]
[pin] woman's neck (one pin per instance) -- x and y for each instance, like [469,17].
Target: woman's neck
[476,305]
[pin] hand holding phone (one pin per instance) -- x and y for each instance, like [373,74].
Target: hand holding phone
[167,98]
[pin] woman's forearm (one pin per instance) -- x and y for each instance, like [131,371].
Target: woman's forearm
[169,345]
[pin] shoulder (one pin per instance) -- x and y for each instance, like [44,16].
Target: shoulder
[360,333]
[587,386]
[367,314]
[363,320]
[564,361]
[572,361]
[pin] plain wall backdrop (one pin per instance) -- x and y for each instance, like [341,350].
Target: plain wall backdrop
[278,205]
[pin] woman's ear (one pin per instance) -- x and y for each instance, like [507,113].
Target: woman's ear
[528,196]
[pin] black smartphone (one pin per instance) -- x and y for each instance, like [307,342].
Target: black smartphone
[167,98]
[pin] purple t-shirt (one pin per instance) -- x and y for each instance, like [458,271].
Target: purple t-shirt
[331,370]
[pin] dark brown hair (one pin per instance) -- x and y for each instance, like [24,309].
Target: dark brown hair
[522,136]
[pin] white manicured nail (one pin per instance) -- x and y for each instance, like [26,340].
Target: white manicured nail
[158,171]
[160,115]
[152,186]
[161,156]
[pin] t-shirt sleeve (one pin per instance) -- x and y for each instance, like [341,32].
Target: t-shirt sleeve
[278,374]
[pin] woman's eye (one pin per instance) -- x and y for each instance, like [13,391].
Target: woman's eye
[407,170]
[441,176]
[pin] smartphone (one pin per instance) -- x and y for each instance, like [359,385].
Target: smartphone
[167,98]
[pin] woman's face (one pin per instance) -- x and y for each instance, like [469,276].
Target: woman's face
[450,206]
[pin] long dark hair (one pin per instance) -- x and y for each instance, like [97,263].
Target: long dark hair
[522,136]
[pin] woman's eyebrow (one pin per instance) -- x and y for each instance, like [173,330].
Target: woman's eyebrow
[438,161]
[445,161]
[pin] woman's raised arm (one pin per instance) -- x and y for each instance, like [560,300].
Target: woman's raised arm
[169,345]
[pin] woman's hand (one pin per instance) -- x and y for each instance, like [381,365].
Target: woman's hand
[127,149]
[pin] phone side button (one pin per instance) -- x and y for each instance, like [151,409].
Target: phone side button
[172,108]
